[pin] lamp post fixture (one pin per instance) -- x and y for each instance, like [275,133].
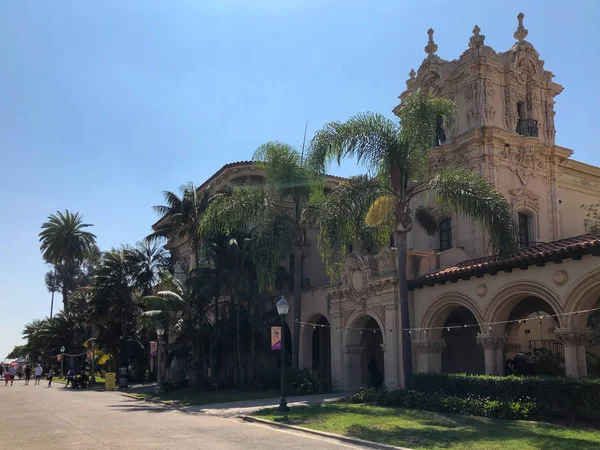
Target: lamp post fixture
[282,309]
[159,332]
[62,361]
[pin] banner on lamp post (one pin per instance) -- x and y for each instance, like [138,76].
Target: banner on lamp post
[58,358]
[275,338]
[153,348]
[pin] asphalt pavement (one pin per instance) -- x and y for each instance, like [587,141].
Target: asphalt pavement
[37,417]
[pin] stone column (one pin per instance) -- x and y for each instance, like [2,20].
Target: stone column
[353,370]
[337,363]
[390,351]
[574,342]
[493,347]
[428,354]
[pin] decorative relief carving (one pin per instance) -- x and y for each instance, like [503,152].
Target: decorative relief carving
[525,198]
[346,315]
[573,337]
[489,114]
[386,261]
[481,290]
[437,161]
[380,310]
[522,159]
[561,277]
[426,346]
[512,347]
[549,118]
[491,342]
[510,108]
[477,39]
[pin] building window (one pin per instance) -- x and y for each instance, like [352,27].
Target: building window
[445,234]
[440,133]
[524,238]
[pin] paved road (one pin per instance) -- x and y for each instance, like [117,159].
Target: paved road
[36,417]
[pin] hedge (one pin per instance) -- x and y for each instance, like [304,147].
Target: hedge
[493,396]
[471,405]
[572,398]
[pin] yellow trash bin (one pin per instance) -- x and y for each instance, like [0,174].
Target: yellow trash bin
[110,381]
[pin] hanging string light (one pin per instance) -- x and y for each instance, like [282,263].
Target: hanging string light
[489,325]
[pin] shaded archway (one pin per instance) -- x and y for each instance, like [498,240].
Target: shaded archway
[364,351]
[316,345]
[532,346]
[462,353]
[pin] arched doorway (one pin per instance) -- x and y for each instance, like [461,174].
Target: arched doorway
[365,360]
[532,346]
[316,346]
[462,353]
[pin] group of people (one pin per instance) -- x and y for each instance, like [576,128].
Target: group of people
[10,372]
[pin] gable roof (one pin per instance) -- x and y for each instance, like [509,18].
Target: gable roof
[539,254]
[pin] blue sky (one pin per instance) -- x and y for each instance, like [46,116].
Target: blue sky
[105,104]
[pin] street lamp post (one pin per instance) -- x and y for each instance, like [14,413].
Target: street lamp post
[282,309]
[62,361]
[159,332]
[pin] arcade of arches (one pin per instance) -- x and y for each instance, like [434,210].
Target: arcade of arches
[359,343]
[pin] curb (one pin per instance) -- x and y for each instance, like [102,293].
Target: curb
[173,404]
[338,437]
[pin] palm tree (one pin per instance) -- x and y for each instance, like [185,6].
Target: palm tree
[396,156]
[179,306]
[53,284]
[65,242]
[288,178]
[147,260]
[181,217]
[113,302]
[260,235]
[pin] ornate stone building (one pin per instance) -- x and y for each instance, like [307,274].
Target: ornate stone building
[461,297]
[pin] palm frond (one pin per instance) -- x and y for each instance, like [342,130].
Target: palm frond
[342,222]
[468,193]
[371,138]
[381,211]
[426,218]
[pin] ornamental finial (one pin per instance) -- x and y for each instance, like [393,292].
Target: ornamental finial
[477,39]
[412,74]
[521,32]
[431,46]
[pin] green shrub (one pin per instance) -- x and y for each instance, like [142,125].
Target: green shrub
[470,405]
[551,396]
[369,395]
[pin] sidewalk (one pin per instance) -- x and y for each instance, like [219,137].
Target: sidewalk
[235,409]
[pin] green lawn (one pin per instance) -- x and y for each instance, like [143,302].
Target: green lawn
[427,430]
[187,397]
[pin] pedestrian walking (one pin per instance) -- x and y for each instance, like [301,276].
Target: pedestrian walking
[27,374]
[13,372]
[38,374]
[6,377]
[70,375]
[50,375]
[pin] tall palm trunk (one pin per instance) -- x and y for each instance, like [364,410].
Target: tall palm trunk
[238,339]
[401,248]
[297,307]
[66,285]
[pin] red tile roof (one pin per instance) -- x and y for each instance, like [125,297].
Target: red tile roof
[538,254]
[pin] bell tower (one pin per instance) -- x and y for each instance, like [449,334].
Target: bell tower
[504,129]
